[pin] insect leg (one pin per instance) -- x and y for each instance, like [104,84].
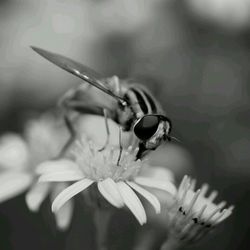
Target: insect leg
[72,134]
[63,103]
[120,146]
[105,113]
[82,108]
[142,150]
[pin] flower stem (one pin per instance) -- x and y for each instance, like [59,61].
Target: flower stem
[101,219]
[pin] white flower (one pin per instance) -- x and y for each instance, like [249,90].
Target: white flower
[193,214]
[115,182]
[14,179]
[44,138]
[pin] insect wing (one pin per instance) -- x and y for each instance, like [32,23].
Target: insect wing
[67,63]
[76,69]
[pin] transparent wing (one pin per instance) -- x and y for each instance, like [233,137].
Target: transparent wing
[77,69]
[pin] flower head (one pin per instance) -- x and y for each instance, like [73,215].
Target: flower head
[14,152]
[116,179]
[193,214]
[43,139]
[45,136]
[99,166]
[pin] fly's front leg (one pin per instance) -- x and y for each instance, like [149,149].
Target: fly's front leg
[63,103]
[72,135]
[142,151]
[120,146]
[83,108]
[105,113]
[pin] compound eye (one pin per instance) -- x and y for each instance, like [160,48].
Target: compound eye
[146,127]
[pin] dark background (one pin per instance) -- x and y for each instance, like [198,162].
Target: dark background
[193,55]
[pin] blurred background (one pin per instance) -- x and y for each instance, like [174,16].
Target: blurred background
[194,55]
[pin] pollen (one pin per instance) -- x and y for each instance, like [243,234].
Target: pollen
[99,164]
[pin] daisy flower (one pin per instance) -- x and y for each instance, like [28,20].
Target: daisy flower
[43,140]
[117,182]
[193,214]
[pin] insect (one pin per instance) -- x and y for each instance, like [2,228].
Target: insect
[128,103]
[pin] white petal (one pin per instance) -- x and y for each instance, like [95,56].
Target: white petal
[110,192]
[36,196]
[147,195]
[69,175]
[69,192]
[132,202]
[14,153]
[158,173]
[57,165]
[164,185]
[223,215]
[64,215]
[13,183]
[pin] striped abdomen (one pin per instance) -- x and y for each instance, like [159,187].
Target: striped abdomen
[141,101]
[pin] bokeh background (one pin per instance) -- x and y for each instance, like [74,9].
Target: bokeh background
[194,55]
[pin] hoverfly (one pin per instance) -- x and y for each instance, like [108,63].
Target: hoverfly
[131,105]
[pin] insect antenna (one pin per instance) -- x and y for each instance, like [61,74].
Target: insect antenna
[170,138]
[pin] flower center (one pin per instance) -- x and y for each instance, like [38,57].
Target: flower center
[99,165]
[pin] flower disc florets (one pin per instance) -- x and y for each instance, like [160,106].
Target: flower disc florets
[99,164]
